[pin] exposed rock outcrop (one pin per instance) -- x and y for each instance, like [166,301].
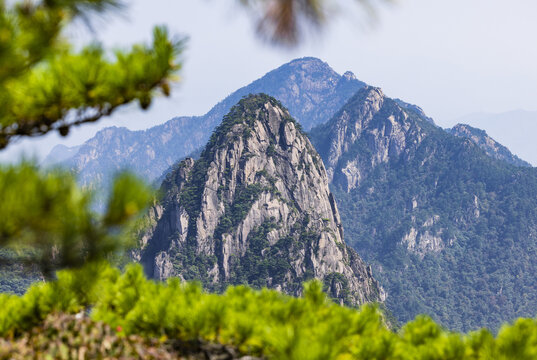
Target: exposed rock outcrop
[369,130]
[256,209]
[423,240]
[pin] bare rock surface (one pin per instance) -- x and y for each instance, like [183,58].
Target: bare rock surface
[255,209]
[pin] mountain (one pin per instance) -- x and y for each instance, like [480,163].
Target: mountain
[308,87]
[449,230]
[60,153]
[488,144]
[415,108]
[146,153]
[515,129]
[254,209]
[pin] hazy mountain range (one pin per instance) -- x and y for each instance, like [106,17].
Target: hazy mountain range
[308,87]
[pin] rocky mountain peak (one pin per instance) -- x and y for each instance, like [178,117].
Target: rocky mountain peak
[491,147]
[414,197]
[308,61]
[370,129]
[371,93]
[256,209]
[308,87]
[349,75]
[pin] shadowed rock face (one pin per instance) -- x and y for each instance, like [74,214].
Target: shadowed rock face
[256,209]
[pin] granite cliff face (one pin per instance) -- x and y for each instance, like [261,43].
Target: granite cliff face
[447,222]
[369,130]
[255,208]
[487,144]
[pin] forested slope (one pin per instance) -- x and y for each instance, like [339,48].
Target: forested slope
[451,231]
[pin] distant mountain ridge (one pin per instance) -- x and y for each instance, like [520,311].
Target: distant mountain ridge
[311,90]
[254,209]
[308,87]
[60,153]
[515,129]
[488,144]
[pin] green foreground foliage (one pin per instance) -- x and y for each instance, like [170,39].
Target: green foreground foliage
[46,86]
[264,322]
[47,220]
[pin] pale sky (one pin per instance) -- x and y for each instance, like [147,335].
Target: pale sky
[451,57]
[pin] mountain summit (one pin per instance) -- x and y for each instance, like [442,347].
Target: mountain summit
[371,129]
[255,209]
[308,87]
[488,144]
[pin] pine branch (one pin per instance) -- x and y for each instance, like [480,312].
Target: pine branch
[73,89]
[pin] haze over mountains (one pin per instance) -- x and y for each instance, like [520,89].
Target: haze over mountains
[447,218]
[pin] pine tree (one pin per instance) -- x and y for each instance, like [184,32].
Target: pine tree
[47,86]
